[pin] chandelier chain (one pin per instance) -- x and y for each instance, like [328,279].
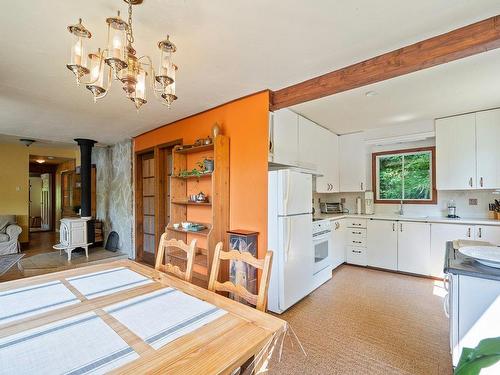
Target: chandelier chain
[130,34]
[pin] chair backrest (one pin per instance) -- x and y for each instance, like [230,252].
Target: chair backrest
[170,268]
[258,300]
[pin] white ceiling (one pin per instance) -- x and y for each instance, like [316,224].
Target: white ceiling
[226,49]
[466,85]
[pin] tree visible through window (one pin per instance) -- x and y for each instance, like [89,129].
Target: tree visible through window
[406,175]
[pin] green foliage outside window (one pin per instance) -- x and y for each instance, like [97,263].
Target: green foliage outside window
[405,176]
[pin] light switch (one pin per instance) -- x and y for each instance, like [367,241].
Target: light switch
[472,201]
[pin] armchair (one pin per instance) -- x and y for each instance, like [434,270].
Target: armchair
[9,234]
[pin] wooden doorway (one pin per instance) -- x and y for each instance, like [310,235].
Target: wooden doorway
[153,171]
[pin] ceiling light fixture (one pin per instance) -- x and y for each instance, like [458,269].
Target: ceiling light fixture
[119,62]
[371,93]
[27,142]
[40,161]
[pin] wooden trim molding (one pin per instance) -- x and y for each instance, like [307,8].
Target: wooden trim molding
[432,149]
[466,41]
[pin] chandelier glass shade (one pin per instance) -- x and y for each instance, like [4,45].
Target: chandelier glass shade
[118,62]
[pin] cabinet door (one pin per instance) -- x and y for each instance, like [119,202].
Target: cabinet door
[284,134]
[382,244]
[328,153]
[488,149]
[456,152]
[338,242]
[488,233]
[414,247]
[309,134]
[440,234]
[352,162]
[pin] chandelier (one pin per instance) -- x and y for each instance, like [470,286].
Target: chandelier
[118,62]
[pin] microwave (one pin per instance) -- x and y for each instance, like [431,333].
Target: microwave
[331,208]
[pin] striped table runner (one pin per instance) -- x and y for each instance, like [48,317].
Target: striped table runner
[83,344]
[32,300]
[107,282]
[164,315]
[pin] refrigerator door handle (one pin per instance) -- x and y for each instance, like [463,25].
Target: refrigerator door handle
[287,189]
[288,237]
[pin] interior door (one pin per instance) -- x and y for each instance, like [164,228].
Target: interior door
[382,244]
[414,247]
[46,203]
[296,258]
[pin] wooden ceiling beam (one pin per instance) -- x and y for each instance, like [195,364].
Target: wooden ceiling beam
[469,40]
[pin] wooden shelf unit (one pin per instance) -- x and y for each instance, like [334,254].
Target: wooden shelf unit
[215,214]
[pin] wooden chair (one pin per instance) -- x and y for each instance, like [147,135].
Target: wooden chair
[259,300]
[170,268]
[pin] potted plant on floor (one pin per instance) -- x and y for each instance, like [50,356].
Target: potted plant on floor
[484,355]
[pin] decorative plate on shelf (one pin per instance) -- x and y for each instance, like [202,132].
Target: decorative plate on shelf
[487,255]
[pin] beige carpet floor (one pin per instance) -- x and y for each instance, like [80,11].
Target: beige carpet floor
[366,321]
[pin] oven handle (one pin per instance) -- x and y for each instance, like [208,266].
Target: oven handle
[322,234]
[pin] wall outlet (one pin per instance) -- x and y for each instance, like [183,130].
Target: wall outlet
[342,200]
[472,201]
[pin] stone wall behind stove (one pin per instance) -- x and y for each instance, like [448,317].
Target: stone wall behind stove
[114,192]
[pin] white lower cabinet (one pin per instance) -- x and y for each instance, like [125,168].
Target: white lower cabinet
[488,233]
[338,242]
[356,255]
[414,247]
[356,242]
[382,244]
[440,234]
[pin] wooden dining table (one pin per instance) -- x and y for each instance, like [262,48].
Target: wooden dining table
[217,347]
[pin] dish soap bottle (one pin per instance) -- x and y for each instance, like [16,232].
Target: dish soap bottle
[452,209]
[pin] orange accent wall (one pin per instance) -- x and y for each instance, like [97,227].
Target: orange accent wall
[245,122]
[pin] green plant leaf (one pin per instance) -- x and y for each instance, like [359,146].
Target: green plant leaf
[485,354]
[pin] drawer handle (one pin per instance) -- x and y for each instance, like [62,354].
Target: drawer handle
[357,233]
[356,241]
[480,232]
[356,225]
[356,251]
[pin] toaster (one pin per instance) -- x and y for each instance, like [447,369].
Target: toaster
[331,208]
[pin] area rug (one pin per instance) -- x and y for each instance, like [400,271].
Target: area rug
[7,261]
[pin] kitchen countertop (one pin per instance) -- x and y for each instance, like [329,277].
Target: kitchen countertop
[425,219]
[459,264]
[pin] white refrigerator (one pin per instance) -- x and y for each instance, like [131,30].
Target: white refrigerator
[290,238]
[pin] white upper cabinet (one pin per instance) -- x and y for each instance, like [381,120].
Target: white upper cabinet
[352,162]
[488,149]
[456,152]
[327,154]
[283,137]
[414,247]
[309,134]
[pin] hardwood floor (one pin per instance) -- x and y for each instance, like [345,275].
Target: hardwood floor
[366,321]
[40,258]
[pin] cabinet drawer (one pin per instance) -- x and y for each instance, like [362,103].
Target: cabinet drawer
[356,255]
[358,241]
[355,233]
[356,223]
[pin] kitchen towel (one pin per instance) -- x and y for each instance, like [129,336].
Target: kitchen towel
[107,282]
[164,315]
[33,300]
[83,344]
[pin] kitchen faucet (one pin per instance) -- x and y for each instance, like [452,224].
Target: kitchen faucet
[401,211]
